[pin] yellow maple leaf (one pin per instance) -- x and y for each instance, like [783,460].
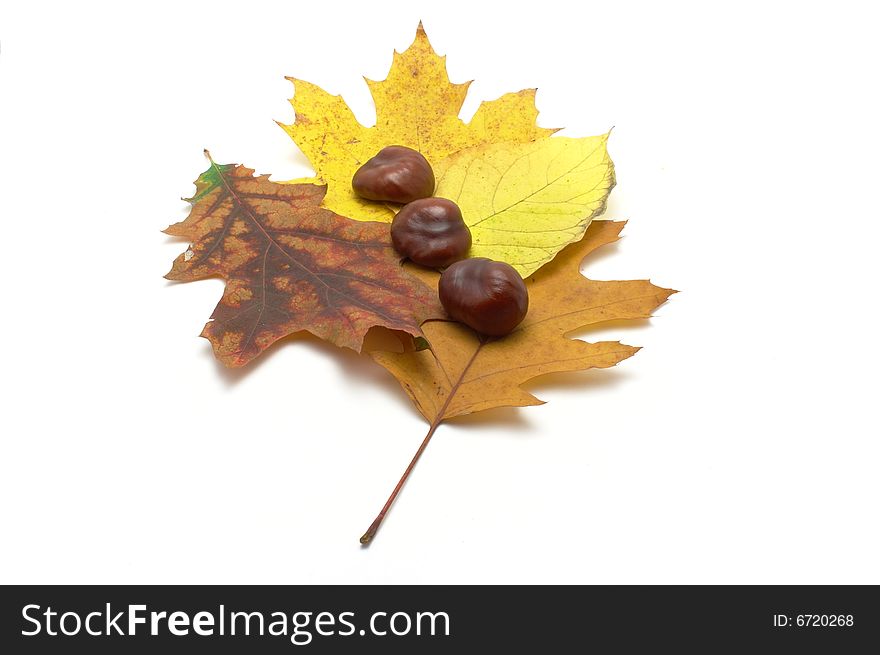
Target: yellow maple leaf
[416,106]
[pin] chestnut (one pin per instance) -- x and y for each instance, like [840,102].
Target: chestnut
[486,295]
[395,174]
[431,232]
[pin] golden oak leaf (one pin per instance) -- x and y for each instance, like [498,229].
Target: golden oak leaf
[291,265]
[416,106]
[524,202]
[464,372]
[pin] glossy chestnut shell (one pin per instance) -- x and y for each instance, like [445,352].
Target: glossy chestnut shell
[431,232]
[486,295]
[395,174]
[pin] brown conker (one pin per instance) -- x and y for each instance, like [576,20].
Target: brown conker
[431,232]
[486,295]
[395,174]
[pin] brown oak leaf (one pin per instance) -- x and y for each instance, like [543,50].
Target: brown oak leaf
[291,265]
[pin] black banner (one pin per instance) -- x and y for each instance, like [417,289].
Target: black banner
[437,619]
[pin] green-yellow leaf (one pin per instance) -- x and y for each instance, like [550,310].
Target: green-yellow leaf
[524,202]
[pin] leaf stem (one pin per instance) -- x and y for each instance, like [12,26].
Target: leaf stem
[374,526]
[438,419]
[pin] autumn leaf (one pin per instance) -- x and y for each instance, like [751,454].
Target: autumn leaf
[464,372]
[525,202]
[291,265]
[416,106]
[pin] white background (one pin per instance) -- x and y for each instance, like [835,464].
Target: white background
[740,445]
